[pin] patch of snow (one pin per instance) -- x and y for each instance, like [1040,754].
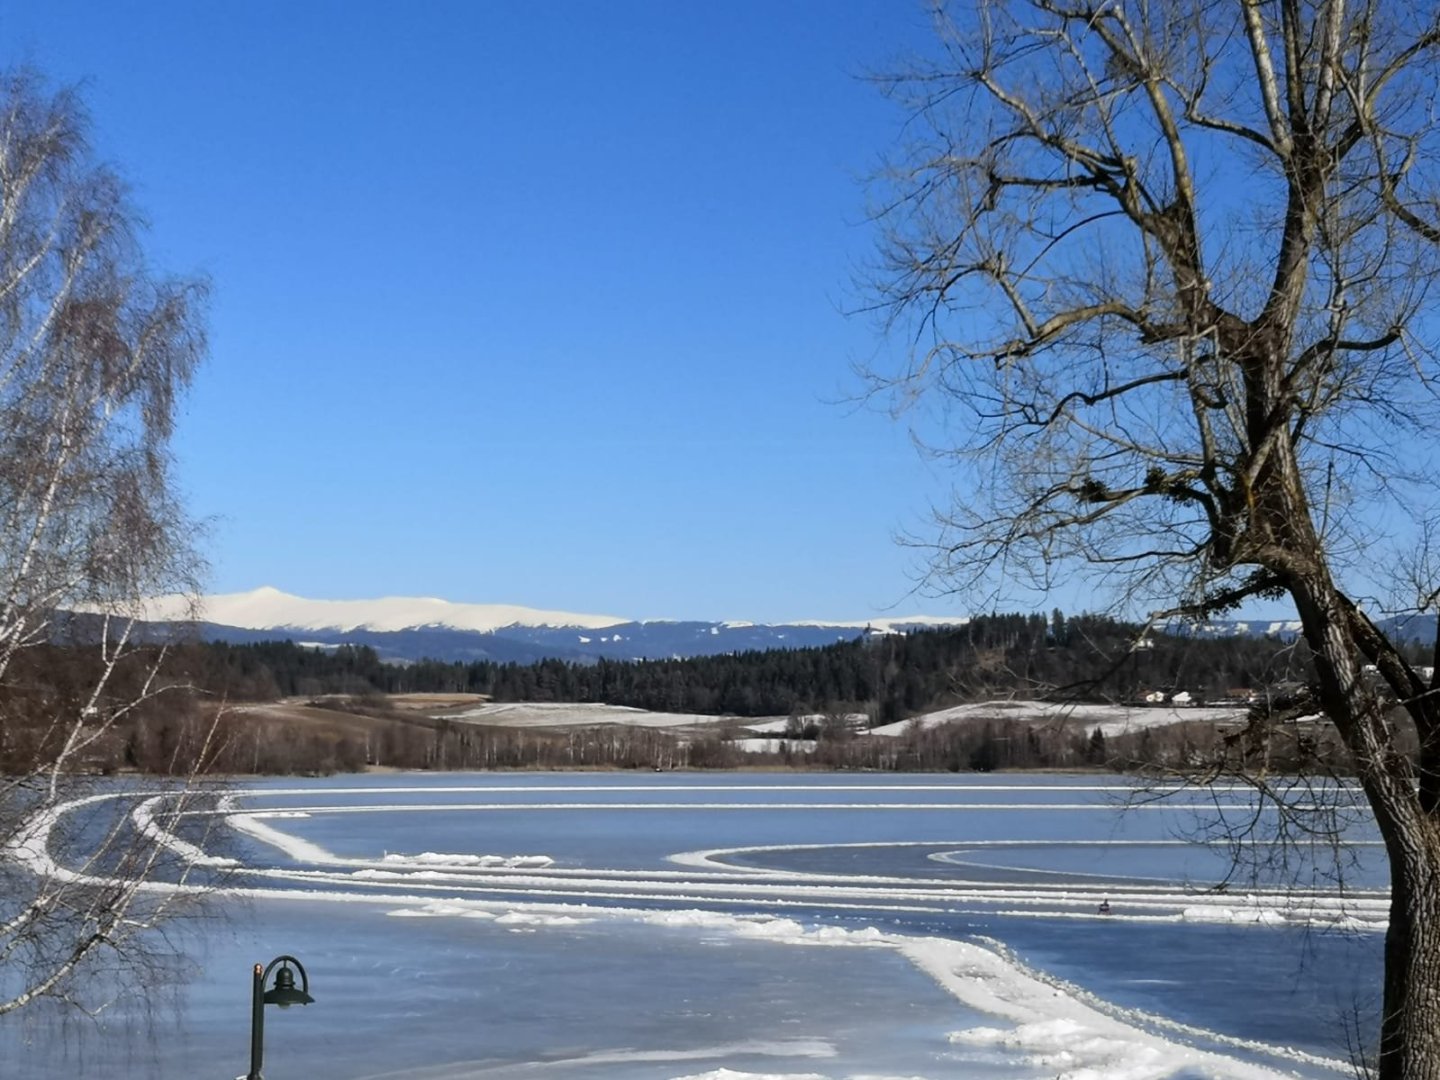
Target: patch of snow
[769,727]
[536,918]
[1265,916]
[1288,626]
[886,625]
[773,746]
[442,910]
[433,858]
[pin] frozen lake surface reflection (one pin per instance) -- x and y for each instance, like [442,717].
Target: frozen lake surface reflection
[726,927]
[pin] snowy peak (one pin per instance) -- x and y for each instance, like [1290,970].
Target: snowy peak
[268,608]
[412,628]
[889,625]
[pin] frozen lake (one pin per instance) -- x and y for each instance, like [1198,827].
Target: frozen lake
[731,926]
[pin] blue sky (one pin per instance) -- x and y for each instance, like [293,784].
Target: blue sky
[525,303]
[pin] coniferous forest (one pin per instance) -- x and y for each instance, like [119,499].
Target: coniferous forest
[277,707]
[1084,658]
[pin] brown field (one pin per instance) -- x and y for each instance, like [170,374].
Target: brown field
[435,702]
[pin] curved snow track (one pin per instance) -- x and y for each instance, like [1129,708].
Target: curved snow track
[796,892]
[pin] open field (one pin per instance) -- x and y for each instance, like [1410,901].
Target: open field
[445,732]
[337,716]
[550,714]
[1110,719]
[430,703]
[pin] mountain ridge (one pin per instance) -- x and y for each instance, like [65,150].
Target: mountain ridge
[270,608]
[414,628]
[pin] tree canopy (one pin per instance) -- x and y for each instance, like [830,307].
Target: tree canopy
[95,349]
[1163,269]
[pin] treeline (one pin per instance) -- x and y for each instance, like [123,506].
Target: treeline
[1088,658]
[193,713]
[967,747]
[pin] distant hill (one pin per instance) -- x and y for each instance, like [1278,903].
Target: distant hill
[404,629]
[886,676]
[411,628]
[1401,628]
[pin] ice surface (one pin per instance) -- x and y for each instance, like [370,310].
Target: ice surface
[650,941]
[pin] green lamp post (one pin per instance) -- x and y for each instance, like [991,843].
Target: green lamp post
[284,993]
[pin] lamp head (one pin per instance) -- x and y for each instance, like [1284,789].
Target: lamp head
[285,993]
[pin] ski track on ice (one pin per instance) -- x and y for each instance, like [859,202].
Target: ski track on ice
[1059,1028]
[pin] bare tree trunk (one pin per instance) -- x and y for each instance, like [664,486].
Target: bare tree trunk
[1409,1033]
[1410,1026]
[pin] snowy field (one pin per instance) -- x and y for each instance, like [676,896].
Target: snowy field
[550,714]
[732,927]
[1110,719]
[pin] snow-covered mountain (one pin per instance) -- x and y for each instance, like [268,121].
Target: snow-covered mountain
[1412,628]
[409,628]
[412,628]
[1218,628]
[268,608]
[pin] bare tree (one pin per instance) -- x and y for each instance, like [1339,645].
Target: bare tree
[94,349]
[1163,269]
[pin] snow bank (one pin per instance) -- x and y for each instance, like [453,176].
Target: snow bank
[1263,916]
[1059,1033]
[764,927]
[427,863]
[433,858]
[143,817]
[296,848]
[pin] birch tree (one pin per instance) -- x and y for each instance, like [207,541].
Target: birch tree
[1164,270]
[94,349]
